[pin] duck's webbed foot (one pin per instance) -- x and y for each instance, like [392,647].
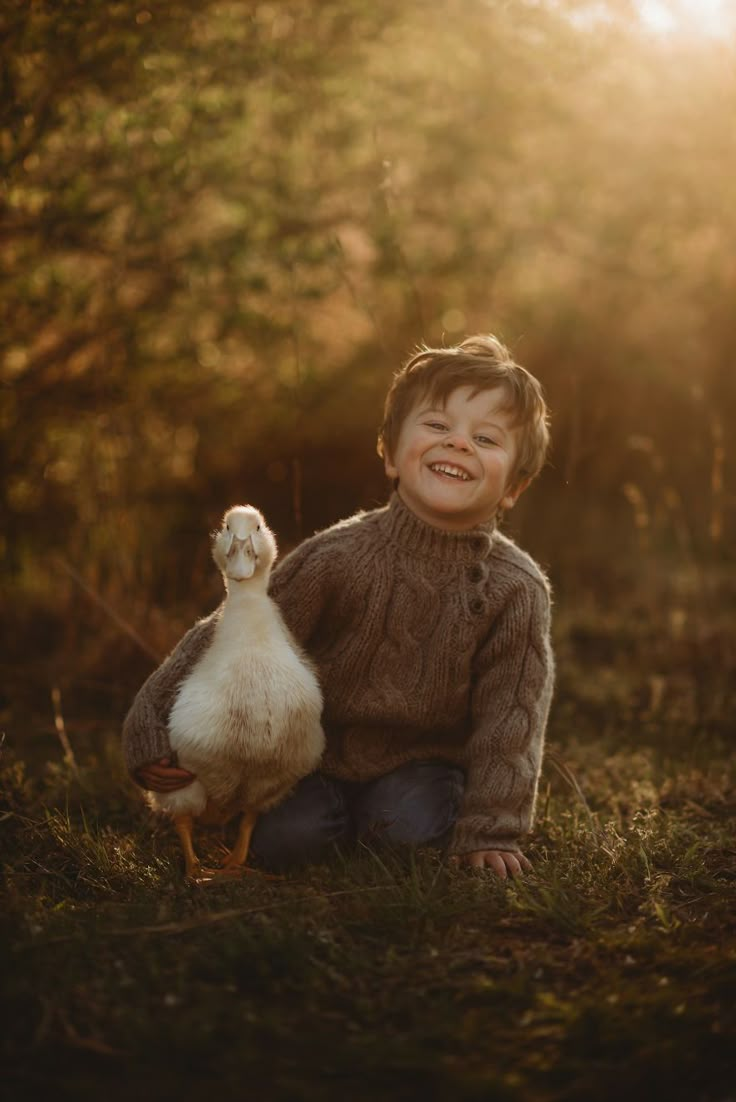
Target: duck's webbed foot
[234,870]
[235,861]
[193,868]
[201,875]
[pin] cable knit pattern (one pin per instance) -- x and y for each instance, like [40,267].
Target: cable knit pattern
[429,645]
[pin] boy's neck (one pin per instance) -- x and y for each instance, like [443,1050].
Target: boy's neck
[451,527]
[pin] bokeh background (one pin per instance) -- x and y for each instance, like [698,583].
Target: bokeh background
[224,225]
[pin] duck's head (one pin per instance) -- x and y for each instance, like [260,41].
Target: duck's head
[244,546]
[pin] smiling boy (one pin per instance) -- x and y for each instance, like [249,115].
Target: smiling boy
[430,630]
[441,476]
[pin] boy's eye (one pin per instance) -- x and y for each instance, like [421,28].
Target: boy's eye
[485,440]
[436,425]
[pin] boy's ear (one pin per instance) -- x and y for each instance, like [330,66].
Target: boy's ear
[512,496]
[388,466]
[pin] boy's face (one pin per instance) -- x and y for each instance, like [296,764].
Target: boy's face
[454,463]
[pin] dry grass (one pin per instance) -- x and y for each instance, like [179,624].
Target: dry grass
[609,972]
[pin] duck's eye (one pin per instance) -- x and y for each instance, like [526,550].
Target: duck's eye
[258,528]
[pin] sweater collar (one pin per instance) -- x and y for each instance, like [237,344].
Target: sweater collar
[403,527]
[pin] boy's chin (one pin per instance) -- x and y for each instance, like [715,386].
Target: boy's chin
[445,512]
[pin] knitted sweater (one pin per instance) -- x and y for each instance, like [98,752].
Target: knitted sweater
[429,645]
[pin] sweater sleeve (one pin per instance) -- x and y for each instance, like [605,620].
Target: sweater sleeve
[300,586]
[514,677]
[145,728]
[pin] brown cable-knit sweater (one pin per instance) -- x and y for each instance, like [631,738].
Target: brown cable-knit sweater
[429,645]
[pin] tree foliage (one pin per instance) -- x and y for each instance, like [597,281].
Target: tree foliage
[224,223]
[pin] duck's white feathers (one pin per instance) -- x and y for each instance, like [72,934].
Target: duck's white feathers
[246,720]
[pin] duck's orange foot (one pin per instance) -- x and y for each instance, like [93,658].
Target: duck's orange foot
[236,869]
[199,874]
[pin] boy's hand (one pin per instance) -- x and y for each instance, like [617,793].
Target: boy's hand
[503,862]
[162,776]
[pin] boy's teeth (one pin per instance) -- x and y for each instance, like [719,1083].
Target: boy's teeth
[445,468]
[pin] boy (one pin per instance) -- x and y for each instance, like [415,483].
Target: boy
[429,629]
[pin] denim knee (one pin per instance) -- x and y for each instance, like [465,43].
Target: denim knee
[416,804]
[304,827]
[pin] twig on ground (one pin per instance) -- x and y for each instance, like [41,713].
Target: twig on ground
[209,919]
[60,726]
[235,912]
[92,1044]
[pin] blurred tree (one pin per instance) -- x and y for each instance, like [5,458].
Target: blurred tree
[223,224]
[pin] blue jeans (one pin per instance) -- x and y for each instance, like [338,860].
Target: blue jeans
[416,804]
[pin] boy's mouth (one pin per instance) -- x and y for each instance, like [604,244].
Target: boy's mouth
[450,470]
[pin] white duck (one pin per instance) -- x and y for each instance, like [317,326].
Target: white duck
[246,720]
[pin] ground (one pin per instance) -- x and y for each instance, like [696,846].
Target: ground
[607,973]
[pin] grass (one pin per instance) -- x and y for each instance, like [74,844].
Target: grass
[607,973]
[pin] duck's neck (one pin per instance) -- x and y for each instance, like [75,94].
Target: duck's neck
[241,594]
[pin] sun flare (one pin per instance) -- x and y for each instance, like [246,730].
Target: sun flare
[707,17]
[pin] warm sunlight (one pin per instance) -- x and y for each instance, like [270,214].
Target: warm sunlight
[708,17]
[238,241]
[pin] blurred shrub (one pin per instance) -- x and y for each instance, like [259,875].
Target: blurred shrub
[223,225]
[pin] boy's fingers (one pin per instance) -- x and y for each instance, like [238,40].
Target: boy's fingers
[496,862]
[517,863]
[167,771]
[160,778]
[512,863]
[158,784]
[502,862]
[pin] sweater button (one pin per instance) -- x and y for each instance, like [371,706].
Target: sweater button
[476,605]
[479,543]
[475,573]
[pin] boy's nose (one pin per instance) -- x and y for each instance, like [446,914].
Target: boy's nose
[458,441]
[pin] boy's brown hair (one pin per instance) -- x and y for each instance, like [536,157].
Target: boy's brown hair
[483,363]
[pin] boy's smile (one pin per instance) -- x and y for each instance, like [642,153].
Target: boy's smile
[450,470]
[454,462]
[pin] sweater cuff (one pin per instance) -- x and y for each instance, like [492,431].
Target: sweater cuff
[477,832]
[145,749]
